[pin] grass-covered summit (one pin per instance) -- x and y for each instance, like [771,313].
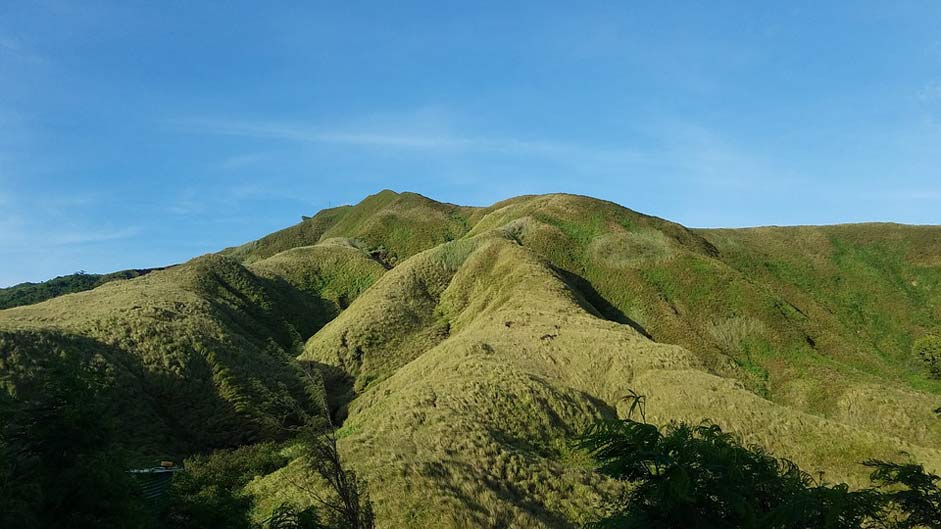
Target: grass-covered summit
[464,347]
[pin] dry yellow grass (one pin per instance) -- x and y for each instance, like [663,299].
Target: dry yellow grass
[501,332]
[468,428]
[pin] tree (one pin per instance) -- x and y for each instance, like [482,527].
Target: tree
[928,350]
[698,476]
[209,492]
[345,502]
[60,464]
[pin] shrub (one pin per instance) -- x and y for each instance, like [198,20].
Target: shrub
[928,350]
[698,476]
[208,494]
[346,503]
[289,517]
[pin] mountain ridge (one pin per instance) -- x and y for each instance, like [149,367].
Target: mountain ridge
[462,346]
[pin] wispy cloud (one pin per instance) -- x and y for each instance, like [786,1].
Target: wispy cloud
[930,92]
[685,150]
[15,233]
[12,228]
[16,48]
[93,236]
[31,223]
[194,201]
[405,138]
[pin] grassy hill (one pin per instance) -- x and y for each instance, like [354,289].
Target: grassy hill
[390,225]
[201,353]
[463,347]
[29,293]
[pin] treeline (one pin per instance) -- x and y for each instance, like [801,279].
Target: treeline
[30,293]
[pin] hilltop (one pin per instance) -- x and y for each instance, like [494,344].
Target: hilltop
[30,293]
[462,347]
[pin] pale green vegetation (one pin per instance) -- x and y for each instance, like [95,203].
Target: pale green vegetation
[335,270]
[29,293]
[463,347]
[389,224]
[203,350]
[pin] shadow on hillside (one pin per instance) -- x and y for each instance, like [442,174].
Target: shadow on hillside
[304,309]
[501,482]
[597,302]
[486,503]
[338,385]
[155,412]
[543,447]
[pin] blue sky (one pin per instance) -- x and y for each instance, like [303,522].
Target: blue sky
[136,135]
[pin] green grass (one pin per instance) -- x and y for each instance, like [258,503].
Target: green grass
[30,293]
[202,353]
[509,312]
[462,347]
[401,224]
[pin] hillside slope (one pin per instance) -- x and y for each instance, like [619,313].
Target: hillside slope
[463,347]
[476,361]
[781,339]
[389,225]
[201,353]
[29,293]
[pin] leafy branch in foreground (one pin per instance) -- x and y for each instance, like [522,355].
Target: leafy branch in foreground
[211,493]
[913,494]
[698,476]
[638,403]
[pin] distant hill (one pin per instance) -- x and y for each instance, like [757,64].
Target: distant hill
[464,347]
[29,293]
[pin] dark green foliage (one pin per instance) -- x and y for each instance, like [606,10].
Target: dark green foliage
[914,494]
[698,476]
[208,493]
[60,465]
[29,293]
[928,350]
[288,517]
